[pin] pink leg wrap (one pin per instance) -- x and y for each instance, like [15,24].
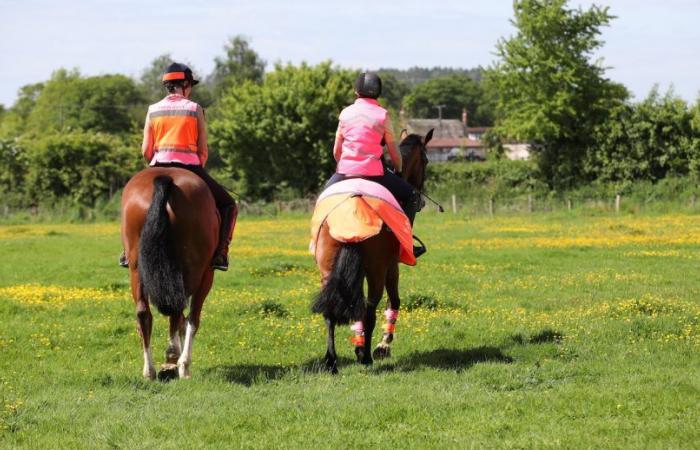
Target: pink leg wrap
[390,325]
[357,327]
[391,314]
[359,338]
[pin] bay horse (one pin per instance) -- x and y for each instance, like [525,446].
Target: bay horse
[170,229]
[345,266]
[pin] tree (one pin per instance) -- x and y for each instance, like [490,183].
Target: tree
[278,136]
[14,120]
[13,168]
[240,63]
[106,103]
[414,76]
[393,91]
[549,92]
[151,79]
[649,140]
[82,166]
[455,92]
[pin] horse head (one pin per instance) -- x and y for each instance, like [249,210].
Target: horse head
[415,157]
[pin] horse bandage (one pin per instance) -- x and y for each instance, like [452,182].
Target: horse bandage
[391,316]
[358,341]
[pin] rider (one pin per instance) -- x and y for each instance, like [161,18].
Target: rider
[363,128]
[175,136]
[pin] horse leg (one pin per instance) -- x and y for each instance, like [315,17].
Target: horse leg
[185,360]
[177,325]
[144,324]
[383,349]
[375,290]
[331,357]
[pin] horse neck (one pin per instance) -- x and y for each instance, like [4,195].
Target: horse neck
[411,170]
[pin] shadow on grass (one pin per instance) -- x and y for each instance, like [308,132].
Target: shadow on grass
[444,359]
[250,374]
[545,336]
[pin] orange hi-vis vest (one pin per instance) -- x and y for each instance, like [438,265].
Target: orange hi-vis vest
[175,134]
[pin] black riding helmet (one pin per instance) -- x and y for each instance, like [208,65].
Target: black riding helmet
[178,71]
[368,85]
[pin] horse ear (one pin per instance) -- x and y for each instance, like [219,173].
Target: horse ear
[403,134]
[428,136]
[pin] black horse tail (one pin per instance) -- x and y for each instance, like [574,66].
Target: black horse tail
[159,271]
[341,299]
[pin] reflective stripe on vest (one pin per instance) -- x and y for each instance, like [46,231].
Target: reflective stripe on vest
[174,124]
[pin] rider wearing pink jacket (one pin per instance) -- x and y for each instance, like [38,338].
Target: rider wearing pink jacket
[363,130]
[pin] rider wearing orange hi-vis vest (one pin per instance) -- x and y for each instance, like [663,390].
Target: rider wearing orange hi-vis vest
[175,136]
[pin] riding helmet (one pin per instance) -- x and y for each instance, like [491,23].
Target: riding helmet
[368,85]
[178,71]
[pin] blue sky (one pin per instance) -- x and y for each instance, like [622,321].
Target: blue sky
[651,42]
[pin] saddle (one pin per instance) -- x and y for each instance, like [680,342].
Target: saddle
[357,209]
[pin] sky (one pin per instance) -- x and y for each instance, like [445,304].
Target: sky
[651,41]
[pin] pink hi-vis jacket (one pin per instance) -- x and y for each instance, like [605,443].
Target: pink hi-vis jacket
[362,125]
[175,133]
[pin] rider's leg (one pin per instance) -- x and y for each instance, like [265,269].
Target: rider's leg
[228,212]
[334,179]
[408,197]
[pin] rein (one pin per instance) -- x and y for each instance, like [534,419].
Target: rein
[425,155]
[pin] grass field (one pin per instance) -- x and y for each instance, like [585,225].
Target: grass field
[543,330]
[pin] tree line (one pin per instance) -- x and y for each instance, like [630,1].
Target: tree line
[76,138]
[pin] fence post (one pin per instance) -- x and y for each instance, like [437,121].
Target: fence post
[491,206]
[693,199]
[617,202]
[454,204]
[529,203]
[568,204]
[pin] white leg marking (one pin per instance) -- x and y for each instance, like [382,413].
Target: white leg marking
[149,370]
[174,346]
[183,364]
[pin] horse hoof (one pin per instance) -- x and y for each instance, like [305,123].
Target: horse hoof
[168,372]
[381,352]
[360,354]
[149,373]
[171,358]
[367,361]
[332,367]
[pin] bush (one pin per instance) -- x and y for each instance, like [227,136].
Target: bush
[83,167]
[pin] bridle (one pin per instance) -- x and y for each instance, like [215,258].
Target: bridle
[424,158]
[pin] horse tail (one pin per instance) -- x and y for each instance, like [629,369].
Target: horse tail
[159,271]
[341,299]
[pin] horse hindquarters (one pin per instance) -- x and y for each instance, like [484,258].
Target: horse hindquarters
[341,299]
[159,270]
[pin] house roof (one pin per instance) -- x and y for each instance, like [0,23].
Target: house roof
[445,128]
[449,133]
[452,143]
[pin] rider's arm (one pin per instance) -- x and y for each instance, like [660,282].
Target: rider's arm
[391,146]
[147,145]
[338,146]
[202,148]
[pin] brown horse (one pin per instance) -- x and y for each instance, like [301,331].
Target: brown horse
[344,267]
[170,229]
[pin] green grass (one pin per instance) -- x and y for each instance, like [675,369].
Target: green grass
[544,330]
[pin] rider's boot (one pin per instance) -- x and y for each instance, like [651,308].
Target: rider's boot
[411,209]
[122,259]
[228,221]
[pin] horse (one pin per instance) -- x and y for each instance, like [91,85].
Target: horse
[169,228]
[345,266]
